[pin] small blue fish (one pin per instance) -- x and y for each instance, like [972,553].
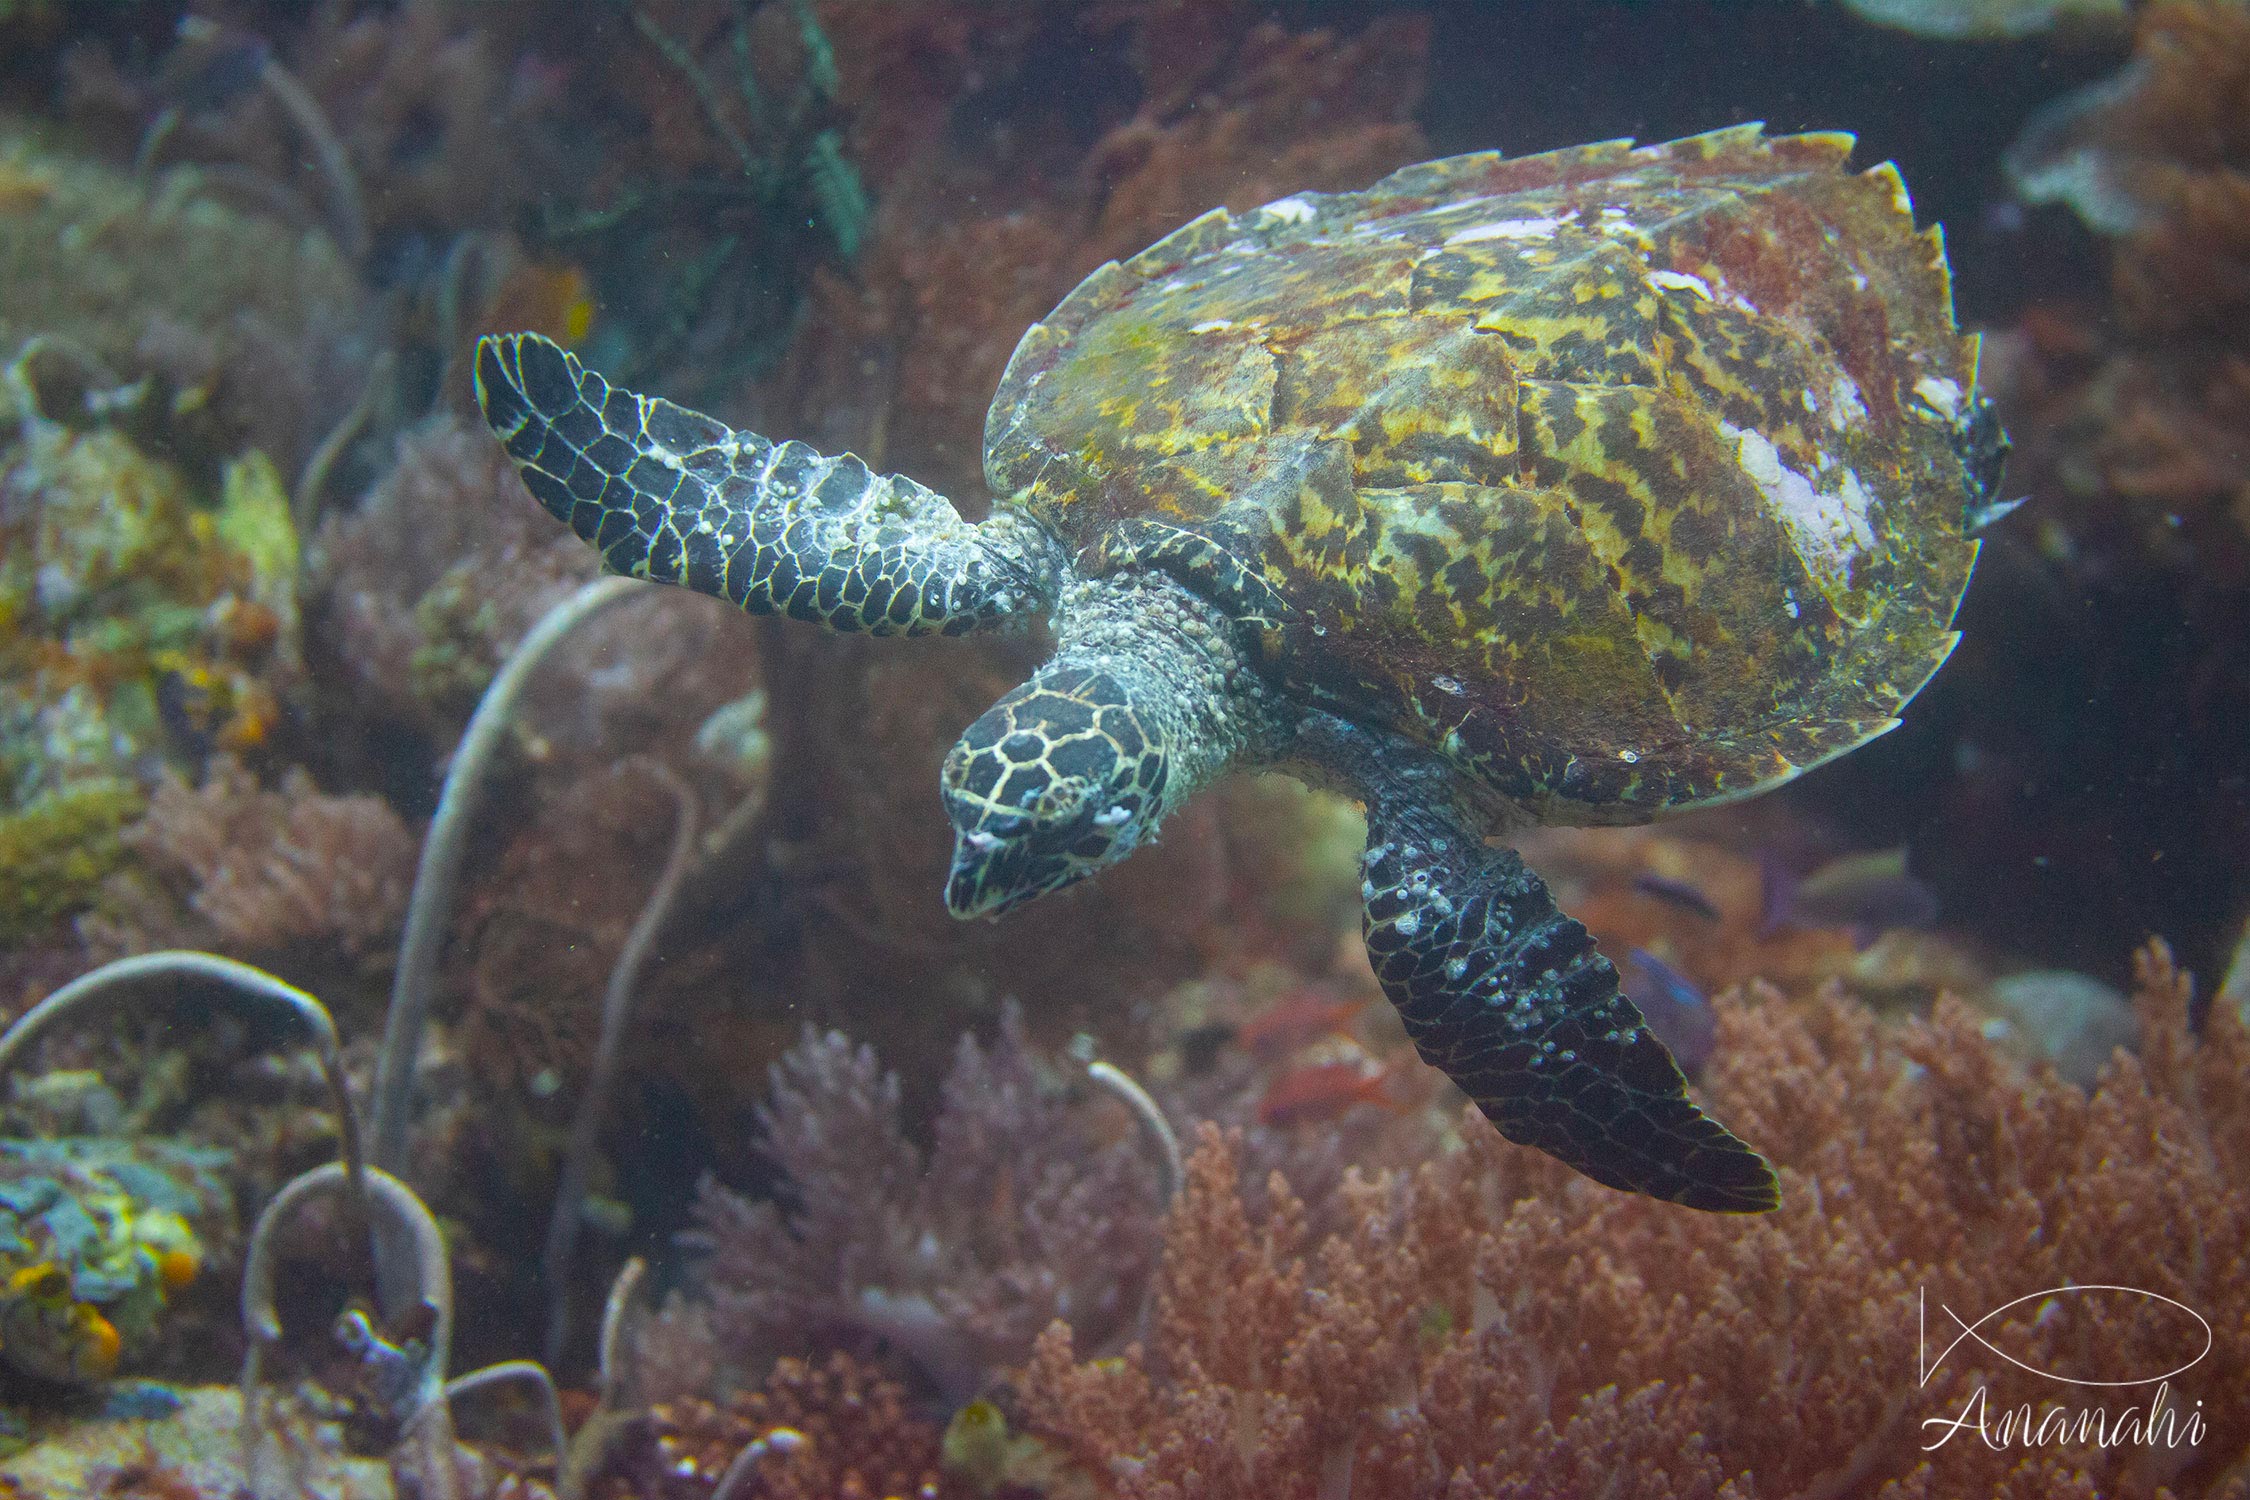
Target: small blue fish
[1674,1006]
[1867,894]
[1677,893]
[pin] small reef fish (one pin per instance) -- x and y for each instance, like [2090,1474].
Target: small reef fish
[1676,893]
[1289,1023]
[1674,1006]
[1868,894]
[553,297]
[1320,1092]
[46,1331]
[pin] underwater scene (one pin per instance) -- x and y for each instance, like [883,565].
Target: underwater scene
[1063,749]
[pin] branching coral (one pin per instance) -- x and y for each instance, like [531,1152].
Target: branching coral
[1033,1202]
[1487,1328]
[259,871]
[425,588]
[856,1436]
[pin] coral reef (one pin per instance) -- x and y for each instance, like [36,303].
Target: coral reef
[1486,1327]
[255,330]
[423,588]
[95,1234]
[1031,1203]
[258,872]
[833,220]
[146,619]
[859,1436]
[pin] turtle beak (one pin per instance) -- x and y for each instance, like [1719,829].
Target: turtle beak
[991,875]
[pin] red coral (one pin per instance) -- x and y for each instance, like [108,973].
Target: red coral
[860,1441]
[1487,1327]
[259,872]
[1034,1201]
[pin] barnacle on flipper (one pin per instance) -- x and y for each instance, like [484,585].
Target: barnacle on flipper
[96,1233]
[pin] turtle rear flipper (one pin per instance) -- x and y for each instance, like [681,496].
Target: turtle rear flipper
[1510,999]
[775,528]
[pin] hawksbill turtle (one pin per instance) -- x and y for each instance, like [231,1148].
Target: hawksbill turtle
[1576,487]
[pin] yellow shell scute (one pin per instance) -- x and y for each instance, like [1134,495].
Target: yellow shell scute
[1628,477]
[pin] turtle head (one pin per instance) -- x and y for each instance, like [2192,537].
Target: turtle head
[1062,778]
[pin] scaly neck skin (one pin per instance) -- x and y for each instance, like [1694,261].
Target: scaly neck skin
[1021,550]
[1148,698]
[1408,785]
[1181,662]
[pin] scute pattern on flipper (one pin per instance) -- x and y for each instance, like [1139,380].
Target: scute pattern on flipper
[1760,446]
[1510,999]
[669,494]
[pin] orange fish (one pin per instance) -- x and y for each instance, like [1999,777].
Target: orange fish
[1321,1092]
[1297,1018]
[555,298]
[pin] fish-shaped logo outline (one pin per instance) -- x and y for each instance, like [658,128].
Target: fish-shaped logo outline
[1926,1367]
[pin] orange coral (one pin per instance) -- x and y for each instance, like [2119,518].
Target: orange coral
[1487,1327]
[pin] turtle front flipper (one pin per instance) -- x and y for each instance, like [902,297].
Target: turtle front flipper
[1510,999]
[776,528]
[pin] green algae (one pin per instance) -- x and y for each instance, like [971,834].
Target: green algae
[56,850]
